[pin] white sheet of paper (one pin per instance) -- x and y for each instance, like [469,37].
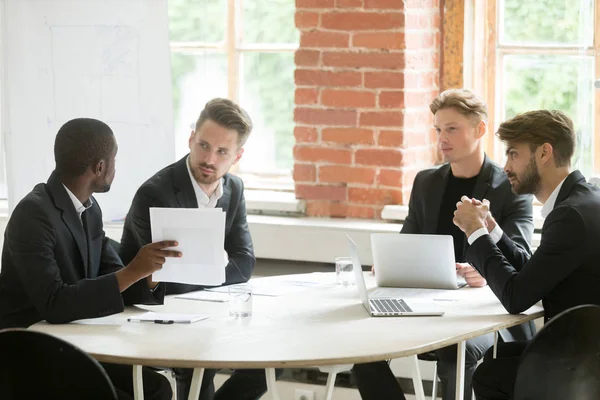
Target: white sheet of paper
[167,318]
[201,236]
[205,295]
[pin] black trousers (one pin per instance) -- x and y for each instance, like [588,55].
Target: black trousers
[156,386]
[376,381]
[495,378]
[244,384]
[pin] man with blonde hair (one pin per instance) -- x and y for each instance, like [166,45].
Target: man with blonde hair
[460,120]
[564,271]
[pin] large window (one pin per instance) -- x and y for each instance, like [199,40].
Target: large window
[243,50]
[545,54]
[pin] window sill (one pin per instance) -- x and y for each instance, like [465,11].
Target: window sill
[273,202]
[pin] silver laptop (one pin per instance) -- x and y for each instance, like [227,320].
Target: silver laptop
[415,261]
[387,307]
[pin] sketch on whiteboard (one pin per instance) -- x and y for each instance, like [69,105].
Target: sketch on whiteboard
[95,72]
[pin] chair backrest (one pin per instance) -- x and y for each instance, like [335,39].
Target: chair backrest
[35,365]
[563,359]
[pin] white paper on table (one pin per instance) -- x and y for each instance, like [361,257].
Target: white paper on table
[205,295]
[167,318]
[201,236]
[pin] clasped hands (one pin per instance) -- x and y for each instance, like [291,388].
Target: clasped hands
[471,215]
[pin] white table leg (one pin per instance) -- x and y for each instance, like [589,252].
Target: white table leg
[330,385]
[332,372]
[271,383]
[416,377]
[460,371]
[495,351]
[138,383]
[196,384]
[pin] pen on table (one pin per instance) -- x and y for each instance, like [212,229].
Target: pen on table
[164,321]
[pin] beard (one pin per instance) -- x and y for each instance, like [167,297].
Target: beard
[202,178]
[528,182]
[104,188]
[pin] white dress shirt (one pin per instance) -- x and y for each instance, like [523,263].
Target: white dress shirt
[79,207]
[204,201]
[549,204]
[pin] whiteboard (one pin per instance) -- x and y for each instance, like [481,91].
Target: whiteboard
[104,59]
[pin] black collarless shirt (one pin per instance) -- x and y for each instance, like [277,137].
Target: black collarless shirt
[455,189]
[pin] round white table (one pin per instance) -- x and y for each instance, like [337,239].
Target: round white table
[324,326]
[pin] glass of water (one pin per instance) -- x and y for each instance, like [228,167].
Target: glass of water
[344,274]
[240,300]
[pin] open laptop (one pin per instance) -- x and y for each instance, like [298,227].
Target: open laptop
[415,261]
[387,307]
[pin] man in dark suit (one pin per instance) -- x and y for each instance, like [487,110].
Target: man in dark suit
[56,262]
[564,271]
[460,121]
[201,180]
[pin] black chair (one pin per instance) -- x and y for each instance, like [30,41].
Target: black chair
[563,360]
[35,365]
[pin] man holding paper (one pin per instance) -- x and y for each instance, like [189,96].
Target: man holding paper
[201,180]
[57,264]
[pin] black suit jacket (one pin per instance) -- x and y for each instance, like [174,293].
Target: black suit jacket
[55,270]
[564,271]
[513,213]
[172,187]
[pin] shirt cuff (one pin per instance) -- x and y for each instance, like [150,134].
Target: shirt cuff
[477,234]
[226,258]
[496,234]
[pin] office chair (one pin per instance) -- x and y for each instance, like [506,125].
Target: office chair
[35,365]
[563,359]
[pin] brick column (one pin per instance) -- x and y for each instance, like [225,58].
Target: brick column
[366,71]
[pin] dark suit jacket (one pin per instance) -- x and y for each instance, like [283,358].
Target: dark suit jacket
[564,271]
[171,187]
[53,270]
[513,213]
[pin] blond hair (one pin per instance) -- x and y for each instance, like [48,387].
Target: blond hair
[462,100]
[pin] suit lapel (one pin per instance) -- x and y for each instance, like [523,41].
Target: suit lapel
[70,217]
[574,178]
[225,199]
[434,198]
[483,180]
[184,191]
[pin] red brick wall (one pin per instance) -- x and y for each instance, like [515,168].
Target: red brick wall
[366,71]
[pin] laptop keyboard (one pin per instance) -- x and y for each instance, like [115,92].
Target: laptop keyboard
[389,305]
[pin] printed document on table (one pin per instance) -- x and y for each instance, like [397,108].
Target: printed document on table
[201,236]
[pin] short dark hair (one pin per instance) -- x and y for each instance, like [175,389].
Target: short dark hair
[542,126]
[229,115]
[80,144]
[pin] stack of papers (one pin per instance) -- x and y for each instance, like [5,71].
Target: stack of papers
[200,233]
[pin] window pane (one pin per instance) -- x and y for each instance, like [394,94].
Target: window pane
[196,78]
[269,21]
[267,93]
[197,20]
[555,83]
[546,22]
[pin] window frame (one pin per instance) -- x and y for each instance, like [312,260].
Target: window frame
[487,73]
[233,47]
